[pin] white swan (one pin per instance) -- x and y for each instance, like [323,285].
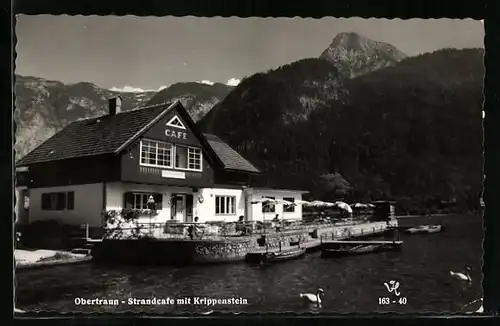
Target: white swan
[463,276]
[313,298]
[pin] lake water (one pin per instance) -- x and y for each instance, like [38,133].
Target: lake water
[351,284]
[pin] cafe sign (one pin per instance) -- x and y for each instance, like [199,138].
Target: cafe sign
[175,134]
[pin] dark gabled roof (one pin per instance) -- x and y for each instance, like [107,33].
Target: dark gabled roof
[94,136]
[112,133]
[231,159]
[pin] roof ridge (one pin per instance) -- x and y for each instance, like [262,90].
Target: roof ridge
[152,105]
[124,112]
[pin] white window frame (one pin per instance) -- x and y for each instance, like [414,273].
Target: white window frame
[143,199]
[284,205]
[264,205]
[140,195]
[157,142]
[189,148]
[173,154]
[225,201]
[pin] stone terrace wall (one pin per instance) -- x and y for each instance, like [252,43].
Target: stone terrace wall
[154,251]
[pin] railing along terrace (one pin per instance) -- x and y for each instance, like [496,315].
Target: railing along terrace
[217,230]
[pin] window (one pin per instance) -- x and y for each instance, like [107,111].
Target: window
[58,201]
[194,159]
[289,208]
[181,156]
[188,158]
[139,200]
[225,205]
[160,154]
[268,207]
[157,154]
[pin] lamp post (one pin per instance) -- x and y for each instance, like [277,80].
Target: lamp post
[151,206]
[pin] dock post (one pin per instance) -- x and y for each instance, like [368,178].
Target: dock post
[87,231]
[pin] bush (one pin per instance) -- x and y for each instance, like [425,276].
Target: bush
[124,224]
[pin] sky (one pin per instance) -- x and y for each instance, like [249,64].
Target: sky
[149,53]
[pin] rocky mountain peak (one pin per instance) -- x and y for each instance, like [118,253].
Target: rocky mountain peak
[356,55]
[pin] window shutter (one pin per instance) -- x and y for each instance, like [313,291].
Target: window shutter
[61,201]
[128,200]
[158,200]
[45,201]
[70,200]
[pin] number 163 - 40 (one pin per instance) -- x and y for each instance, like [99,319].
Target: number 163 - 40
[387,301]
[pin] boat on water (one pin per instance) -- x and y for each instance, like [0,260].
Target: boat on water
[425,229]
[274,256]
[346,248]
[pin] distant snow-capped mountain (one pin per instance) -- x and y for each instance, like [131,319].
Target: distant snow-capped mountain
[44,107]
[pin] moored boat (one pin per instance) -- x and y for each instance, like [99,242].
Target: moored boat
[425,229]
[357,248]
[274,256]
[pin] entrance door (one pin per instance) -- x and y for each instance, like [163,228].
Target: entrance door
[180,208]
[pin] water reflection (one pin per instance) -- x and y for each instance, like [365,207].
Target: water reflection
[350,283]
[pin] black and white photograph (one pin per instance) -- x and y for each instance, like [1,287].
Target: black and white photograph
[170,165]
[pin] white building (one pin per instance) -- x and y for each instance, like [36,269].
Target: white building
[121,159]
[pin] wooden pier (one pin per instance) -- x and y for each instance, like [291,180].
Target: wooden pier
[308,245]
[336,233]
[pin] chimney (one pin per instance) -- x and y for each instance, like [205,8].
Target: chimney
[115,105]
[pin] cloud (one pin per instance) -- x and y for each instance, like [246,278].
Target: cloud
[233,82]
[131,89]
[206,82]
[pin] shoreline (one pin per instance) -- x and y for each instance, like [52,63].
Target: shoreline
[207,251]
[27,260]
[59,262]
